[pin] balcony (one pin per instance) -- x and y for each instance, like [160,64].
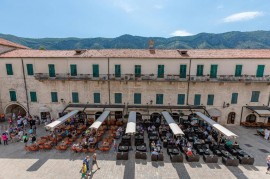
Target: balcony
[67,76]
[231,78]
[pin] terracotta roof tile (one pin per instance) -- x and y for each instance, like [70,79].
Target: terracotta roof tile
[11,44]
[133,53]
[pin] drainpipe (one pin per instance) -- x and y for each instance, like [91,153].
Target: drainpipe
[241,115]
[109,83]
[268,100]
[188,82]
[25,87]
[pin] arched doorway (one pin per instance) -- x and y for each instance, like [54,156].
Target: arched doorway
[138,116]
[175,117]
[97,114]
[251,118]
[118,114]
[16,109]
[231,118]
[154,116]
[82,116]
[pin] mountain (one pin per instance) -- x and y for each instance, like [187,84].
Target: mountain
[228,40]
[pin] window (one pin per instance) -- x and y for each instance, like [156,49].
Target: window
[234,98]
[159,98]
[181,99]
[197,99]
[9,69]
[54,97]
[251,118]
[118,98]
[95,70]
[255,96]
[210,100]
[73,70]
[12,95]
[30,70]
[213,71]
[160,71]
[117,70]
[231,118]
[238,70]
[138,71]
[199,70]
[33,96]
[75,97]
[96,97]
[183,71]
[137,98]
[260,71]
[51,70]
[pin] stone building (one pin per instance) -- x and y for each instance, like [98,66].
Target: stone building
[230,85]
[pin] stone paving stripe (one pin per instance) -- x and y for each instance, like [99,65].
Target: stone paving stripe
[248,145]
[264,151]
[37,165]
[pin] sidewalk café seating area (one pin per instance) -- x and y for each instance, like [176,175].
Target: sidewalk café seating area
[255,124]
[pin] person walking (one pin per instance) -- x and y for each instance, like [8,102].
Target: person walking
[94,161]
[86,160]
[268,164]
[5,138]
[25,139]
[84,170]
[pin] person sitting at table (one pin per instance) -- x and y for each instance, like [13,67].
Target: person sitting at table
[33,139]
[85,146]
[154,152]
[149,129]
[189,152]
[205,133]
[168,135]
[177,142]
[229,143]
[91,139]
[153,127]
[120,130]
[210,138]
[153,144]
[158,143]
[189,145]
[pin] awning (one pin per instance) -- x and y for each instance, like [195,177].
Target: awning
[61,120]
[262,111]
[214,112]
[60,109]
[131,125]
[174,127]
[44,109]
[216,125]
[100,120]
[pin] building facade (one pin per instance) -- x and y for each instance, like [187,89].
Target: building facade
[224,82]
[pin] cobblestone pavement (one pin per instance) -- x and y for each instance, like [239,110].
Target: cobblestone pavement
[17,163]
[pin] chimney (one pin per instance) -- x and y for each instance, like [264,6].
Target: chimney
[151,46]
[183,52]
[79,51]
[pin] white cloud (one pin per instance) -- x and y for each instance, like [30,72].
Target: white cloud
[181,33]
[124,5]
[243,16]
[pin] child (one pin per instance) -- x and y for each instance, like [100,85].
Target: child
[84,170]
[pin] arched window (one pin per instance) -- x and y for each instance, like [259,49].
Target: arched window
[231,118]
[251,118]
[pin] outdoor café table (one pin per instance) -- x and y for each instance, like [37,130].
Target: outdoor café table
[40,142]
[175,152]
[153,138]
[139,137]
[126,137]
[141,148]
[48,143]
[122,148]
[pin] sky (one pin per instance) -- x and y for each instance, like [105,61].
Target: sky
[113,18]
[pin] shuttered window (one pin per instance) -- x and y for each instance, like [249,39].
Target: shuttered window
[197,99]
[137,98]
[210,100]
[73,70]
[117,69]
[255,96]
[213,71]
[199,70]
[12,95]
[75,97]
[238,70]
[33,96]
[160,71]
[234,98]
[9,69]
[54,97]
[260,71]
[96,97]
[138,71]
[181,99]
[183,71]
[118,98]
[159,98]
[95,70]
[30,69]
[51,70]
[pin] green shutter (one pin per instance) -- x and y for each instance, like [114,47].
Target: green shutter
[260,71]
[9,69]
[197,100]
[181,99]
[30,70]
[33,96]
[210,99]
[137,98]
[137,70]
[117,69]
[255,96]
[73,70]
[75,97]
[159,98]
[199,70]
[238,70]
[118,98]
[183,71]
[12,95]
[160,71]
[96,97]
[51,70]
[234,98]
[213,71]
[54,97]
[95,70]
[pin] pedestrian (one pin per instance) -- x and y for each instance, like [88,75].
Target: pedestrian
[25,139]
[5,138]
[114,145]
[94,161]
[268,164]
[84,170]
[86,160]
